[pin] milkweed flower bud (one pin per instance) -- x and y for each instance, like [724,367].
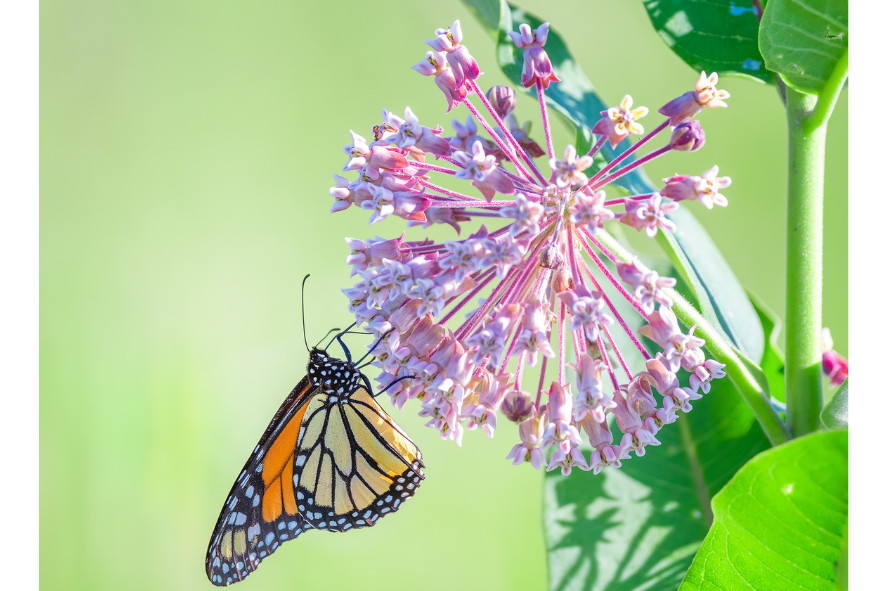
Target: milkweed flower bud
[517,406]
[503,100]
[687,137]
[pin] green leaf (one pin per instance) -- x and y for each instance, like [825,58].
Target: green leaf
[721,297]
[781,522]
[488,12]
[638,527]
[836,414]
[711,35]
[804,41]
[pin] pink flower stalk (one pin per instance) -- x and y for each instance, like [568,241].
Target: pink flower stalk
[533,282]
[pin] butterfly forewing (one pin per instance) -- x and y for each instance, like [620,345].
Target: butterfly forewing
[247,530]
[331,459]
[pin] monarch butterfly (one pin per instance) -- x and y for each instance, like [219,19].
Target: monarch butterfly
[330,459]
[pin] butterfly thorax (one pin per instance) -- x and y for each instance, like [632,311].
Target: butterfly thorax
[336,378]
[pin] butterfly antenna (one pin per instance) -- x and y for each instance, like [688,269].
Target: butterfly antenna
[374,345]
[388,387]
[342,343]
[341,334]
[332,330]
[304,330]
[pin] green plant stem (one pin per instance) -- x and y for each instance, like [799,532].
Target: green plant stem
[753,393]
[807,129]
[803,379]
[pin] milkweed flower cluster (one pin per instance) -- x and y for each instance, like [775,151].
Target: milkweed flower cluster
[532,283]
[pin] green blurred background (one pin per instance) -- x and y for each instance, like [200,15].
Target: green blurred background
[186,153]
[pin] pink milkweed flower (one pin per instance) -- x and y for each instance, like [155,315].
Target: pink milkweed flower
[448,42]
[530,441]
[446,79]
[537,68]
[526,214]
[521,135]
[600,438]
[484,172]
[589,210]
[618,122]
[465,135]
[565,459]
[649,214]
[588,310]
[703,373]
[560,430]
[590,401]
[648,287]
[568,171]
[483,413]
[371,160]
[690,104]
[705,188]
[411,133]
[342,194]
[526,277]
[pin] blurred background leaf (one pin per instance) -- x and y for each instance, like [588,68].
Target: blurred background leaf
[711,35]
[186,154]
[781,522]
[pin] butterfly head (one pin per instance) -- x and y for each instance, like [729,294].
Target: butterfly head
[335,377]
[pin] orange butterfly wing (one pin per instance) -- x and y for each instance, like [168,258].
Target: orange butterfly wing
[249,526]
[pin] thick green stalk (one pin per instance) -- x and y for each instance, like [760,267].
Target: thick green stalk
[803,379]
[807,129]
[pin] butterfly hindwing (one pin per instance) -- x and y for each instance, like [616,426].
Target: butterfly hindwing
[330,459]
[355,464]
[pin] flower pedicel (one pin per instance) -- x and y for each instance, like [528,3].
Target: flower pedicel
[535,283]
